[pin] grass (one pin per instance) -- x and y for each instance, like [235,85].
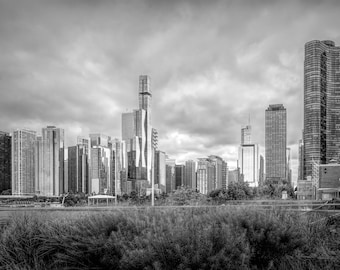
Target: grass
[230,237]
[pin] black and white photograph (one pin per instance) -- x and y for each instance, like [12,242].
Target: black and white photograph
[158,134]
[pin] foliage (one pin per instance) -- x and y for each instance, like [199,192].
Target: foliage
[274,191]
[235,191]
[185,196]
[227,237]
[73,199]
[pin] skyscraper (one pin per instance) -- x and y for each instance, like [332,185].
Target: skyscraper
[249,158]
[139,138]
[160,170]
[78,166]
[301,160]
[52,157]
[205,175]
[225,173]
[170,175]
[261,171]
[23,162]
[246,135]
[321,137]
[276,143]
[179,175]
[217,163]
[190,174]
[100,168]
[5,161]
[118,175]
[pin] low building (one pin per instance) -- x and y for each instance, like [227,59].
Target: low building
[328,182]
[305,190]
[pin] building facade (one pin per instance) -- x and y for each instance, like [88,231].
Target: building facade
[78,167]
[170,175]
[248,157]
[261,171]
[205,175]
[276,143]
[190,174]
[179,175]
[225,174]
[217,163]
[321,104]
[100,164]
[160,170]
[23,162]
[118,172]
[5,161]
[301,166]
[51,156]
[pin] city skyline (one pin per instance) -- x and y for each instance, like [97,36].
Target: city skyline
[76,65]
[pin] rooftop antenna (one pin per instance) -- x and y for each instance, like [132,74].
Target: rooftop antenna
[248,119]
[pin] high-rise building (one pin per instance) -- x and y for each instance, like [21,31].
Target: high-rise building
[160,170]
[276,143]
[170,175]
[301,160]
[38,164]
[100,164]
[246,135]
[78,166]
[288,167]
[217,162]
[190,174]
[261,171]
[234,176]
[118,172]
[248,157]
[321,136]
[225,174]
[23,162]
[51,182]
[139,138]
[5,161]
[205,175]
[154,139]
[179,175]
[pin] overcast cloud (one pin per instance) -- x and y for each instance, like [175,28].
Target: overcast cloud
[75,64]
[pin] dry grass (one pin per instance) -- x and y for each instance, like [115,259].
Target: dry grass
[230,237]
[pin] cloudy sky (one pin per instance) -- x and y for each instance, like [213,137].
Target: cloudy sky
[75,64]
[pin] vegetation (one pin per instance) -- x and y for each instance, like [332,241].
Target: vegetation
[235,191]
[221,237]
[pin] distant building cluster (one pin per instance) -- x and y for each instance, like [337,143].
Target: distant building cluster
[40,164]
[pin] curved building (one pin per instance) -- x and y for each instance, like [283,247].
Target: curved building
[321,103]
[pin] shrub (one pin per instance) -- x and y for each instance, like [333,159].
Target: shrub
[230,237]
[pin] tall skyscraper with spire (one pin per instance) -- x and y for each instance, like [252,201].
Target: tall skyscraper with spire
[137,135]
[321,137]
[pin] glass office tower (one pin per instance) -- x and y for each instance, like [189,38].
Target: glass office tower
[321,136]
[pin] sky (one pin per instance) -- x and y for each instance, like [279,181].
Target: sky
[214,66]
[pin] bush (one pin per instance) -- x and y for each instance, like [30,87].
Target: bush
[185,196]
[235,191]
[229,237]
